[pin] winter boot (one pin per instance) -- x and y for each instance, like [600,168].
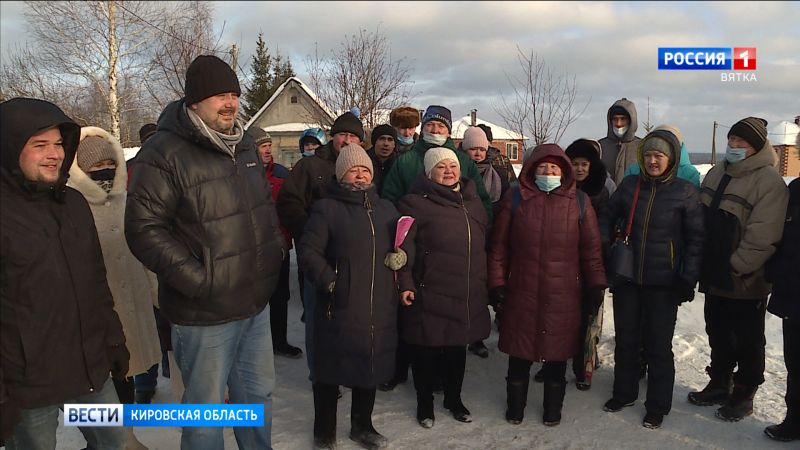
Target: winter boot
[717,392]
[425,410]
[740,405]
[784,432]
[325,415]
[553,401]
[516,398]
[653,420]
[361,429]
[453,380]
[539,377]
[479,348]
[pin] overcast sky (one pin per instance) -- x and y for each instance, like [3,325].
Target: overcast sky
[460,52]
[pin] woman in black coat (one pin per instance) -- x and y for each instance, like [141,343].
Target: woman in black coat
[355,320]
[667,239]
[443,287]
[590,177]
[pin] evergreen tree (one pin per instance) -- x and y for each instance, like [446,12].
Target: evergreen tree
[261,85]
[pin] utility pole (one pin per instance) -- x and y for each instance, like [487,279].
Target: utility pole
[714,145]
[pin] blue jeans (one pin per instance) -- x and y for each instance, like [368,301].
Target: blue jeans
[37,428]
[147,382]
[309,298]
[237,355]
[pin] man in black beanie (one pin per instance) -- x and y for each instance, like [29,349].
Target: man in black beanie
[199,216]
[382,152]
[745,205]
[305,185]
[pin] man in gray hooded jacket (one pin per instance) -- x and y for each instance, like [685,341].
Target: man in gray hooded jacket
[619,145]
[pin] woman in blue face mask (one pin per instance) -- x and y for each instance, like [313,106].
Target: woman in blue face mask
[545,249]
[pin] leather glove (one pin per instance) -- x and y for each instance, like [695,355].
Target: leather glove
[594,298]
[119,358]
[497,295]
[396,260]
[683,291]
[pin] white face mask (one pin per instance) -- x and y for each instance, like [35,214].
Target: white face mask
[619,132]
[435,139]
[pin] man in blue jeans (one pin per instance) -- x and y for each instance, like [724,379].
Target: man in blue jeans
[61,337]
[199,215]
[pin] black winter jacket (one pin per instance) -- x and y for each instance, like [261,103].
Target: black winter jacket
[355,328]
[56,311]
[667,233]
[446,265]
[381,168]
[783,269]
[204,222]
[307,183]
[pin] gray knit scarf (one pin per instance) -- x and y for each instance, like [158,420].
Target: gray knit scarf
[491,179]
[226,142]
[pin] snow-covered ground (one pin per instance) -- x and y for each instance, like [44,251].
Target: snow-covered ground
[584,425]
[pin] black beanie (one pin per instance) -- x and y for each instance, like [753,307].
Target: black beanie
[208,75]
[383,130]
[753,130]
[618,110]
[487,130]
[145,132]
[349,123]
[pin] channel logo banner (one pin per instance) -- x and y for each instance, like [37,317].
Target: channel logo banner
[707,58]
[164,415]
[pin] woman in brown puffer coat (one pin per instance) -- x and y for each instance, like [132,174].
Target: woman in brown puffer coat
[443,287]
[544,251]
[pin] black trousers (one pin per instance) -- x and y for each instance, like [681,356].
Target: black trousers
[429,363]
[552,371]
[644,317]
[791,355]
[735,331]
[279,306]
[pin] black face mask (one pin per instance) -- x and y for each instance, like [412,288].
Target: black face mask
[103,175]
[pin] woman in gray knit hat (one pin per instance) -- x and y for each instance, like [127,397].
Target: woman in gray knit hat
[342,253]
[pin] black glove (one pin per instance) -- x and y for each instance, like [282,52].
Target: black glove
[497,295]
[118,357]
[594,299]
[683,291]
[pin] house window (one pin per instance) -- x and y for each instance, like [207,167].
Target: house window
[512,151]
[293,99]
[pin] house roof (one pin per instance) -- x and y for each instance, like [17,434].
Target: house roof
[498,133]
[289,127]
[277,93]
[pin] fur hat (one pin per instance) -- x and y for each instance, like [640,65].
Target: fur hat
[350,156]
[383,130]
[487,130]
[208,75]
[437,154]
[348,123]
[146,131]
[475,137]
[404,117]
[94,149]
[440,113]
[752,129]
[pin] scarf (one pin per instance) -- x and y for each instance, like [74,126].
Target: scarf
[225,142]
[491,179]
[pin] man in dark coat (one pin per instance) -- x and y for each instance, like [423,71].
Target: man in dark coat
[200,217]
[59,331]
[783,270]
[307,183]
[620,144]
[383,152]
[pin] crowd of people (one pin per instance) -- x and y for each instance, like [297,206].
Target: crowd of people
[402,249]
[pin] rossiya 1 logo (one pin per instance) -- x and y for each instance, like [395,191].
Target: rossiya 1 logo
[735,63]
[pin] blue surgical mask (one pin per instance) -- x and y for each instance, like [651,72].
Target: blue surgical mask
[734,155]
[620,131]
[547,183]
[405,140]
[435,139]
[308,153]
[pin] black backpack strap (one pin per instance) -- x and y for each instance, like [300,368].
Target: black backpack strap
[723,183]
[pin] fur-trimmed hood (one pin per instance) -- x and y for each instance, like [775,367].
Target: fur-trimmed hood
[81,181]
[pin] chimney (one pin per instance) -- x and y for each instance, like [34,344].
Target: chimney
[473,117]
